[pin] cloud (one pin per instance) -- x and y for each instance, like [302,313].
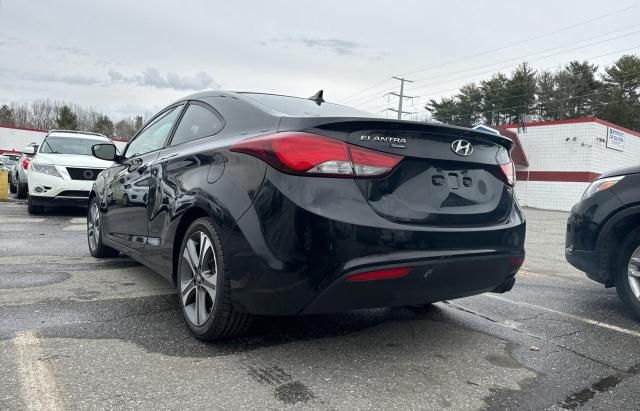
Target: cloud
[71,79]
[152,77]
[8,40]
[57,78]
[338,46]
[76,51]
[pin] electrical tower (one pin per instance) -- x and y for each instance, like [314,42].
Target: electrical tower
[401,97]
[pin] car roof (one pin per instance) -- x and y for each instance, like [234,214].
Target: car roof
[436,127]
[76,134]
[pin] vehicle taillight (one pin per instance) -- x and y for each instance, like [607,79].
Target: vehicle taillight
[509,171]
[311,154]
[25,163]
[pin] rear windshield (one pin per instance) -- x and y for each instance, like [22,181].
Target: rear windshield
[69,145]
[295,106]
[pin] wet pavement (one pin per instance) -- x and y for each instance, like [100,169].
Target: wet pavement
[81,333]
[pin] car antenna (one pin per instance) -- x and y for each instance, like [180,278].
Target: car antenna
[318,97]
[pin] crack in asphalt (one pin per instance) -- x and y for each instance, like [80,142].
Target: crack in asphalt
[530,318]
[537,337]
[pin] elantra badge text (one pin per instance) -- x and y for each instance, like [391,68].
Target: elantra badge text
[394,142]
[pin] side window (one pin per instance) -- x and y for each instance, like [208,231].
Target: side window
[197,122]
[154,135]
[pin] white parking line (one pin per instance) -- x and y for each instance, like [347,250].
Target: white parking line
[572,316]
[78,220]
[75,227]
[38,386]
[21,220]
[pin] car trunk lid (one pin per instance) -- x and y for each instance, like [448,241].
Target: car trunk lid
[433,184]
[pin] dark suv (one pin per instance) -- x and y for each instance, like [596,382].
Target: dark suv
[603,234]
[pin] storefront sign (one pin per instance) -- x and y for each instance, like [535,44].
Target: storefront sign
[615,139]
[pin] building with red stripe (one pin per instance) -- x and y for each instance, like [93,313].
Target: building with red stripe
[556,160]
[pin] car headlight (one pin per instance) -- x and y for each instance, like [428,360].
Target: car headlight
[601,184]
[45,169]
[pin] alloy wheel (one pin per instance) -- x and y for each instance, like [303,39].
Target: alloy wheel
[93,226]
[633,272]
[198,278]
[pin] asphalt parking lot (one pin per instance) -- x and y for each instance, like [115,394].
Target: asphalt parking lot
[79,333]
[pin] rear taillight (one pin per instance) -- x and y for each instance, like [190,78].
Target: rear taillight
[311,154]
[25,163]
[509,171]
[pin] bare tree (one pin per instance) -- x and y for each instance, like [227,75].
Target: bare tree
[42,114]
[20,114]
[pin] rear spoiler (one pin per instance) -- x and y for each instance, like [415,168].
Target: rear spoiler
[289,123]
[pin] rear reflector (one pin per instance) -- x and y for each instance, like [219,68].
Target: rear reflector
[379,275]
[517,261]
[311,154]
[25,163]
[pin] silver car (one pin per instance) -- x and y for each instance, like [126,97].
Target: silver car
[18,178]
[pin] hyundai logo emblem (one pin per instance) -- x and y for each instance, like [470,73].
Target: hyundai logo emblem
[462,148]
[88,174]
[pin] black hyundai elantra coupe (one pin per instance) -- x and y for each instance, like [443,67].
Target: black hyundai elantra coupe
[260,204]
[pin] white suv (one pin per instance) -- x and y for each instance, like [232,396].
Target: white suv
[63,169]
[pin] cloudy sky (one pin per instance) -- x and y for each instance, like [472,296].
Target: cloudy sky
[133,56]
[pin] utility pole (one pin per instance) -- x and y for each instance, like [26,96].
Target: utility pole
[401,97]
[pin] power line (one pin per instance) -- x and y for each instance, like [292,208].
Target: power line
[527,105]
[364,90]
[523,41]
[510,86]
[555,89]
[494,50]
[517,58]
[546,50]
[436,93]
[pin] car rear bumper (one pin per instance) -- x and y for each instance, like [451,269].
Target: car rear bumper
[292,255]
[430,280]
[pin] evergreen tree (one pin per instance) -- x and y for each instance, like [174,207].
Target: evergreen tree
[66,119]
[6,116]
[546,91]
[494,98]
[521,92]
[104,125]
[447,110]
[470,105]
[621,103]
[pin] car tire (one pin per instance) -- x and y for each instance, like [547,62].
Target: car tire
[202,281]
[33,209]
[627,285]
[94,232]
[22,190]
[12,188]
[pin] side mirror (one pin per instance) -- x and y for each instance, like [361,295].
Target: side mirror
[29,150]
[104,151]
